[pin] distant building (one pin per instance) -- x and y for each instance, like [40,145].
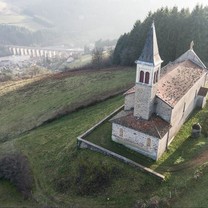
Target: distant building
[161,100]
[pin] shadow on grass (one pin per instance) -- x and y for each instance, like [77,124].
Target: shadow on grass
[184,147]
[102,137]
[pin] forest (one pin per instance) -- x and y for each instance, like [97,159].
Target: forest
[15,35]
[175,30]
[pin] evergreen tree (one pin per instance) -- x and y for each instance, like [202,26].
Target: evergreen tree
[175,31]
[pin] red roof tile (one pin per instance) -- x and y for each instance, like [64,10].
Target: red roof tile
[155,126]
[130,91]
[177,81]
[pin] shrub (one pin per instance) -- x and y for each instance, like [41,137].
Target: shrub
[15,168]
[93,178]
[87,179]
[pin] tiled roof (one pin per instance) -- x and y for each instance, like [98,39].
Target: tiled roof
[177,81]
[192,56]
[150,53]
[155,126]
[130,91]
[203,91]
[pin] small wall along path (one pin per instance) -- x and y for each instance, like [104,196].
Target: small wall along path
[84,144]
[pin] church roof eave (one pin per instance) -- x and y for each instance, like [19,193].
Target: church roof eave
[149,63]
[192,56]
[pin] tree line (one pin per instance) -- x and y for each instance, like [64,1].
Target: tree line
[175,30]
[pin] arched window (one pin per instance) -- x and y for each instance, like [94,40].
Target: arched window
[147,76]
[141,77]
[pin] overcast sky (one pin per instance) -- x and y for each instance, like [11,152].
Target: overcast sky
[129,11]
[139,9]
[106,19]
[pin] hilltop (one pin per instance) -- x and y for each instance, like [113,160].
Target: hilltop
[64,176]
[27,104]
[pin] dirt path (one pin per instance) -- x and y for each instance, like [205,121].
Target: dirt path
[195,162]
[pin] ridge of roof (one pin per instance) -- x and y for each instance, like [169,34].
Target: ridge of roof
[192,56]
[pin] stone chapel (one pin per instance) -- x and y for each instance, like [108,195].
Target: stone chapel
[161,100]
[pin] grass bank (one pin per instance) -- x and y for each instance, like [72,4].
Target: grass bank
[27,104]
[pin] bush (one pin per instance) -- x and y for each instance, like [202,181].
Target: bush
[15,168]
[92,179]
[87,179]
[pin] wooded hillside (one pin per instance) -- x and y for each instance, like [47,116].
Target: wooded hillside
[175,31]
[15,35]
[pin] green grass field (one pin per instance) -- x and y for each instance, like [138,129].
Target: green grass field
[180,151]
[56,162]
[53,156]
[80,62]
[27,104]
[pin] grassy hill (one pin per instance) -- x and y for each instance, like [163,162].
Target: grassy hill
[67,177]
[27,104]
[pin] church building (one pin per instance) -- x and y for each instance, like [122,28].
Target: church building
[161,100]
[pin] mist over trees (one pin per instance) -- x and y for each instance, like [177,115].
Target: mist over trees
[175,30]
[14,35]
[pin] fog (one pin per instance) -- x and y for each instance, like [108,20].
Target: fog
[90,20]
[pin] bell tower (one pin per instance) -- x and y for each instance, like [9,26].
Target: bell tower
[147,76]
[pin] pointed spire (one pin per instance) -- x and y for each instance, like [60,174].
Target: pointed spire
[150,53]
[192,45]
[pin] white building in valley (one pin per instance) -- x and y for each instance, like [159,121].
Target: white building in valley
[161,100]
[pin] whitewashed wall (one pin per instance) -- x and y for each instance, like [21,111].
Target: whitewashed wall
[201,101]
[189,100]
[162,147]
[163,110]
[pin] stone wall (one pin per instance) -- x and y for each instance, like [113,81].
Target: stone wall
[144,100]
[163,144]
[185,107]
[163,110]
[82,143]
[129,101]
[138,141]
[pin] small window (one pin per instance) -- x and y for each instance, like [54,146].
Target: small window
[121,132]
[141,78]
[147,75]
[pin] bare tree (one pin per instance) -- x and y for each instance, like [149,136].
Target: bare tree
[97,58]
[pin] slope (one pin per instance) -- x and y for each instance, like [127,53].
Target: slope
[29,103]
[65,176]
